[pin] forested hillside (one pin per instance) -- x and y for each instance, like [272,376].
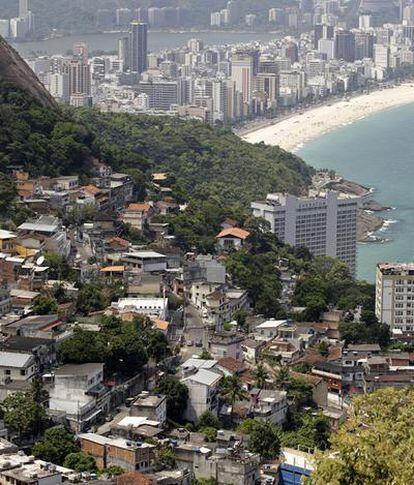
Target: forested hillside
[201,159]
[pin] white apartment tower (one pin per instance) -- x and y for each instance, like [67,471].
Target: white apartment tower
[326,224]
[242,73]
[394,295]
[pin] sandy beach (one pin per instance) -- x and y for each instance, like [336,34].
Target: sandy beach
[293,132]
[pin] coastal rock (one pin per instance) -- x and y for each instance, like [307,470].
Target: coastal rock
[366,225]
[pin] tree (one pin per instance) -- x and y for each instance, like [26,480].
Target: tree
[55,445]
[157,345]
[80,462]
[282,377]
[299,392]
[260,375]
[374,445]
[323,348]
[7,194]
[232,390]
[306,430]
[113,471]
[205,355]
[177,395]
[210,434]
[22,413]
[209,420]
[45,305]
[83,347]
[166,459]
[264,439]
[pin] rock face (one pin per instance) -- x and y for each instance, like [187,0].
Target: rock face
[14,69]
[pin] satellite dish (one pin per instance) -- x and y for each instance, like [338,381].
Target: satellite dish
[40,260]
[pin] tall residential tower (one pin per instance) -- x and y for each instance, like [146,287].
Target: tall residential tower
[138,47]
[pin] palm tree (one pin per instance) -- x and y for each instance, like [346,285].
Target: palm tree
[260,375]
[282,377]
[232,390]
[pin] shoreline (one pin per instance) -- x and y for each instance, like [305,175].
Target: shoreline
[292,132]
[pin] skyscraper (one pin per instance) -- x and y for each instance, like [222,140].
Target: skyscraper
[242,69]
[138,47]
[124,54]
[23,8]
[345,45]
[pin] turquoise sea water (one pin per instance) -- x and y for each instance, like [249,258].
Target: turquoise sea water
[378,152]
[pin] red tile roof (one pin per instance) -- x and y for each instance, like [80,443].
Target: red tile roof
[234,232]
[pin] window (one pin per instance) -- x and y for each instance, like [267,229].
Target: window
[22,372]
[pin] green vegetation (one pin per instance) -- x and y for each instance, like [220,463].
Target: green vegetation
[374,445]
[80,462]
[124,347]
[209,420]
[306,430]
[177,395]
[369,330]
[56,444]
[326,281]
[22,414]
[45,305]
[43,140]
[264,438]
[232,390]
[166,459]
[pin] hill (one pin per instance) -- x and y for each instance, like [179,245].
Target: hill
[14,69]
[203,161]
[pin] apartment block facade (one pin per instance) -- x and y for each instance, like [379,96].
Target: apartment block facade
[394,298]
[326,224]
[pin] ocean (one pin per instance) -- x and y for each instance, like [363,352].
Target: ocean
[157,41]
[378,152]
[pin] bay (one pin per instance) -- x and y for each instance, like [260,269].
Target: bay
[157,41]
[377,151]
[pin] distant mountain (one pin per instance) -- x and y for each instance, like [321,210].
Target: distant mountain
[15,70]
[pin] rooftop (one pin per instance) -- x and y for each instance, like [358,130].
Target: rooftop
[15,359]
[204,376]
[144,254]
[78,369]
[233,232]
[23,344]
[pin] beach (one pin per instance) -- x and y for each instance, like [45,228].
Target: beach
[293,132]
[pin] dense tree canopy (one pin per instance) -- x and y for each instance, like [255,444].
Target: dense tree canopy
[55,445]
[374,445]
[124,347]
[177,395]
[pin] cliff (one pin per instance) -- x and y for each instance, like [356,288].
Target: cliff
[14,69]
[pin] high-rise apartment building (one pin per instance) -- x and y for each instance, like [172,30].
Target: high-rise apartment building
[382,56]
[364,45]
[79,77]
[394,295]
[268,83]
[325,223]
[124,54]
[322,31]
[242,73]
[23,8]
[138,47]
[345,45]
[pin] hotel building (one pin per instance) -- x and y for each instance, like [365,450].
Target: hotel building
[326,224]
